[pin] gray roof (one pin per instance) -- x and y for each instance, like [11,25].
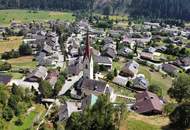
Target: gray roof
[108,40]
[75,69]
[39,72]
[110,52]
[141,83]
[120,80]
[130,67]
[47,48]
[169,68]
[102,60]
[67,109]
[94,85]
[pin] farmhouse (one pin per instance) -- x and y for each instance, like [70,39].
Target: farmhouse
[37,74]
[103,60]
[170,69]
[130,69]
[140,83]
[147,103]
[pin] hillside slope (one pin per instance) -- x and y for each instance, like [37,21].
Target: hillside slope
[178,9]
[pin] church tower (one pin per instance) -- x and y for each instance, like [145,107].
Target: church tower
[88,68]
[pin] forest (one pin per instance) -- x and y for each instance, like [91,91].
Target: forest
[170,9]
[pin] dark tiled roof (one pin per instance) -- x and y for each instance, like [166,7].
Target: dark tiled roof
[94,85]
[147,102]
[74,69]
[39,72]
[102,60]
[169,68]
[110,52]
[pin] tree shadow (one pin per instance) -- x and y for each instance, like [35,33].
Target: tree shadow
[172,127]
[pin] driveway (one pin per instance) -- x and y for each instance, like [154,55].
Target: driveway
[70,83]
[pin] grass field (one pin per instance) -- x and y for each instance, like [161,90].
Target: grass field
[27,122]
[139,122]
[156,78]
[11,43]
[6,16]
[15,75]
[27,119]
[23,62]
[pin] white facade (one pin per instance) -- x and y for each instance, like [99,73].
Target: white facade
[88,68]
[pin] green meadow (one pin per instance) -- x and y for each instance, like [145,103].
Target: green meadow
[6,16]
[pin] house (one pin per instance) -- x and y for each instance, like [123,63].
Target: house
[110,52]
[96,87]
[107,46]
[4,79]
[47,49]
[108,40]
[150,50]
[120,80]
[74,69]
[73,52]
[52,77]
[104,61]
[37,74]
[125,51]
[88,101]
[146,56]
[130,69]
[170,69]
[150,25]
[147,103]
[140,83]
[67,109]
[183,63]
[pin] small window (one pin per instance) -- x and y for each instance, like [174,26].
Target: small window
[86,66]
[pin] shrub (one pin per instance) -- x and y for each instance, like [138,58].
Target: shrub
[156,89]
[180,116]
[169,108]
[110,76]
[18,122]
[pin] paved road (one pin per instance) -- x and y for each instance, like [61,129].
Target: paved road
[69,84]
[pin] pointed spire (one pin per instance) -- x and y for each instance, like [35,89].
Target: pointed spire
[87,53]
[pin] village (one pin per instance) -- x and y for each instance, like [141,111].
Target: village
[80,62]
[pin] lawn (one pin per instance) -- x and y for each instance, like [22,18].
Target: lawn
[11,43]
[156,78]
[135,121]
[119,64]
[27,122]
[15,75]
[118,17]
[23,62]
[121,90]
[27,119]
[6,16]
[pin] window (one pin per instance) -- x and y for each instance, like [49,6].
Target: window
[86,66]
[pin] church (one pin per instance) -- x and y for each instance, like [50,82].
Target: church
[87,85]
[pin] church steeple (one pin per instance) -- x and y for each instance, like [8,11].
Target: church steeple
[87,53]
[87,60]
